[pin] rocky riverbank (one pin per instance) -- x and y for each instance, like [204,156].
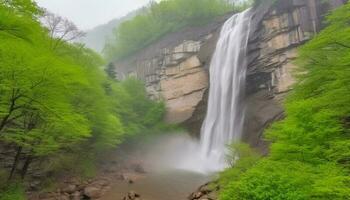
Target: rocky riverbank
[141,170]
[94,188]
[208,191]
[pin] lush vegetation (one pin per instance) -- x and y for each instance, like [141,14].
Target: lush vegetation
[161,18]
[13,192]
[56,101]
[310,149]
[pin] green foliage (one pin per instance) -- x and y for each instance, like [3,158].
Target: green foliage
[160,19]
[137,112]
[22,7]
[309,156]
[271,179]
[55,100]
[12,192]
[242,157]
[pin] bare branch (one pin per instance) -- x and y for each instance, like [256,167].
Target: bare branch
[61,29]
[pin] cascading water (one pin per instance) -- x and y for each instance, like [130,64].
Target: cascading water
[224,120]
[225,114]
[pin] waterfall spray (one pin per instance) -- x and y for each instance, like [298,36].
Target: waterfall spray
[225,114]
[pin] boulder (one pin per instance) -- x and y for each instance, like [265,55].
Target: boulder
[93,192]
[101,182]
[132,196]
[70,189]
[205,192]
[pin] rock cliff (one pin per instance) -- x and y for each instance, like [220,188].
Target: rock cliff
[175,69]
[277,30]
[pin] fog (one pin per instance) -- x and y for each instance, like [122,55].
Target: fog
[87,14]
[177,151]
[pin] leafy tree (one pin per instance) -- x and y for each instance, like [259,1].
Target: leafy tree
[27,8]
[160,19]
[58,100]
[35,112]
[137,112]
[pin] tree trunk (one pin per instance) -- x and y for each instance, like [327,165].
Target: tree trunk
[26,166]
[15,163]
[12,108]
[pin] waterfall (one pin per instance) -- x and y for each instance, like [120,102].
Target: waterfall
[225,115]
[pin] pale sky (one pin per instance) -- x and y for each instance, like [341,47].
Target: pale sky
[87,14]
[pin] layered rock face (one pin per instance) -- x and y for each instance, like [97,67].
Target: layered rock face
[175,69]
[179,79]
[277,31]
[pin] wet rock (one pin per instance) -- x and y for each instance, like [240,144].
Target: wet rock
[92,192]
[101,182]
[76,196]
[80,187]
[197,195]
[127,178]
[70,189]
[132,196]
[205,192]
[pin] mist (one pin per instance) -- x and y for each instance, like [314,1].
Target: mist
[87,14]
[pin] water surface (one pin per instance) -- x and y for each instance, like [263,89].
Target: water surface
[165,185]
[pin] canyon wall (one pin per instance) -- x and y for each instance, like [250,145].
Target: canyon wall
[175,69]
[278,29]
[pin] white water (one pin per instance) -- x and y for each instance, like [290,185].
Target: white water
[224,120]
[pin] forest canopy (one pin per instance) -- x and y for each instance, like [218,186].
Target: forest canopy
[161,18]
[56,99]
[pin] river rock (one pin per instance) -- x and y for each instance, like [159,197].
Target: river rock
[76,196]
[205,192]
[70,189]
[93,192]
[101,182]
[132,196]
[127,178]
